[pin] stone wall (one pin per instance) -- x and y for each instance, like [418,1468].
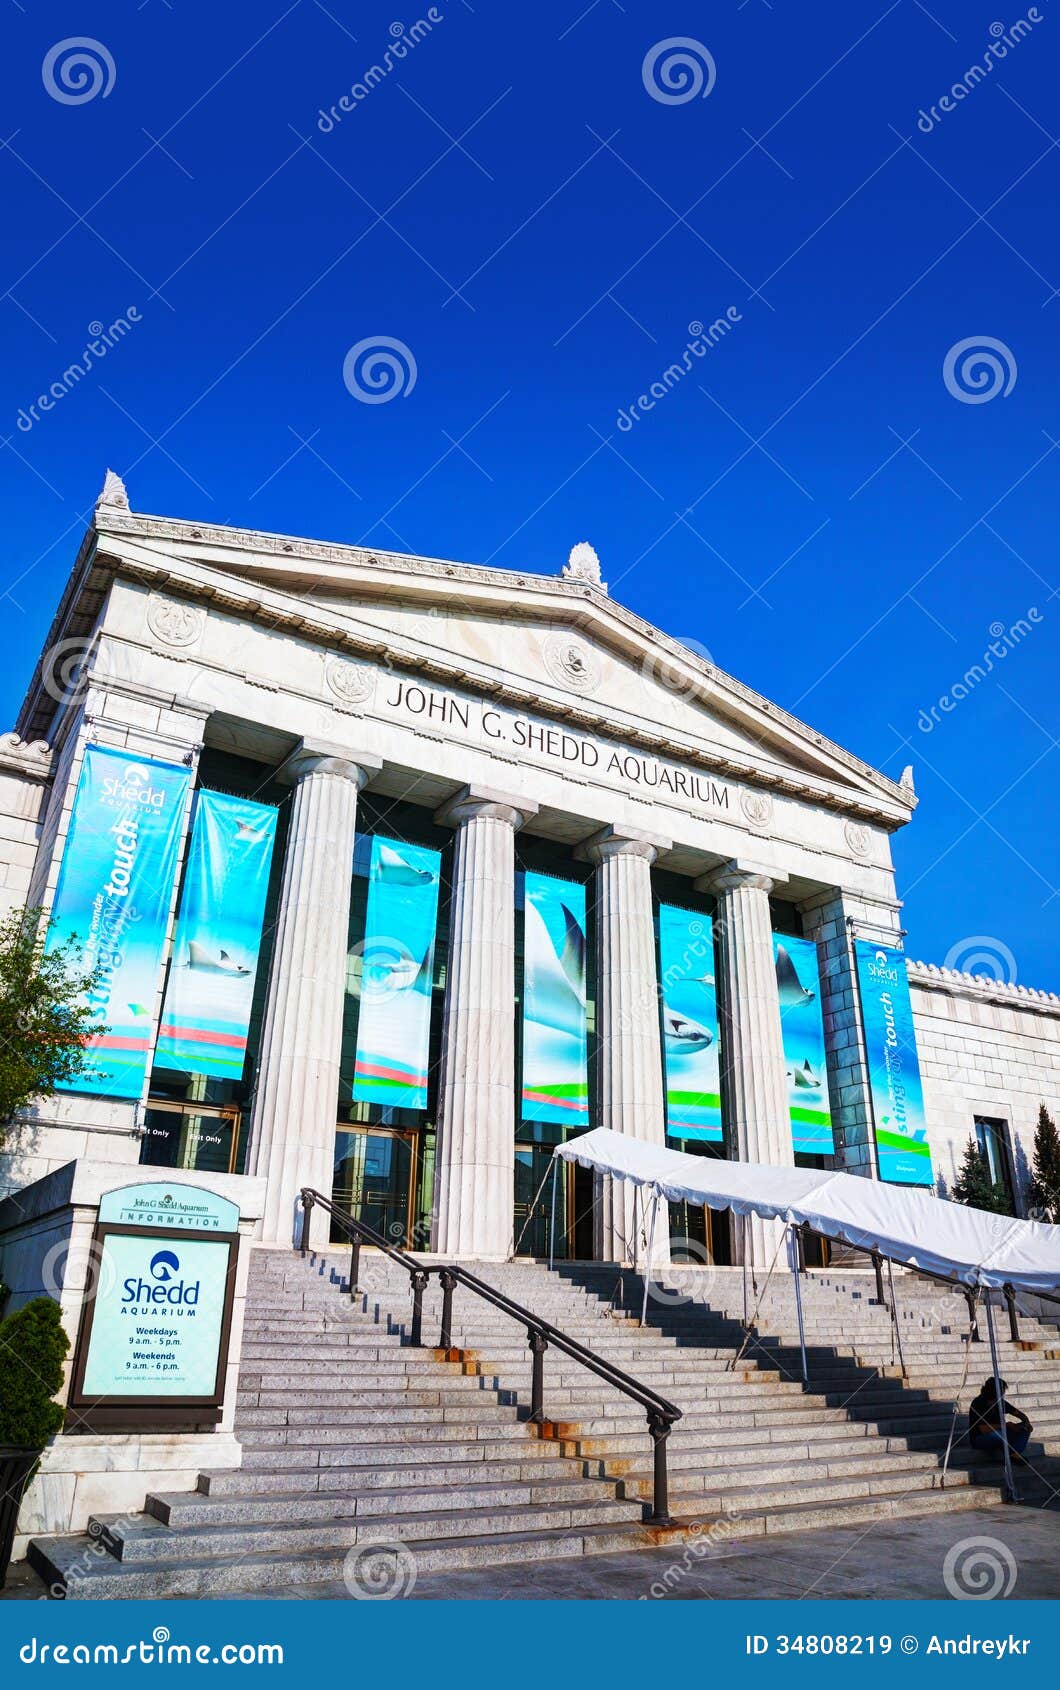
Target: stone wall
[986,1048]
[25,774]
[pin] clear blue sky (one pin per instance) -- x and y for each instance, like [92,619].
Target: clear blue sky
[812,505]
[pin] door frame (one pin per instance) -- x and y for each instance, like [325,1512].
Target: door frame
[414,1137]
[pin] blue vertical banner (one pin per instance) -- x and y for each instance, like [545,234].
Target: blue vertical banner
[691,1045]
[555,1081]
[392,974]
[802,1030]
[113,897]
[903,1154]
[210,991]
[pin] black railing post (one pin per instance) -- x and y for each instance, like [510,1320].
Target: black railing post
[307,1211]
[419,1286]
[538,1345]
[1013,1322]
[660,1427]
[448,1282]
[973,1319]
[877,1267]
[355,1264]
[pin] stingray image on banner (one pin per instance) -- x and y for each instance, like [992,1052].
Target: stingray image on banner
[802,1029]
[113,899]
[210,991]
[555,1039]
[393,972]
[690,1024]
[902,1150]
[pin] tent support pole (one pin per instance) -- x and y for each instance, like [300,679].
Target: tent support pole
[894,1317]
[552,1222]
[647,1269]
[1010,1483]
[743,1259]
[636,1231]
[798,1303]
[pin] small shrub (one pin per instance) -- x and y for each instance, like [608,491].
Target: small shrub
[32,1347]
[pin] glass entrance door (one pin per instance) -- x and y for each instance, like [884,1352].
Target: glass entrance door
[190,1135]
[533,1208]
[375,1179]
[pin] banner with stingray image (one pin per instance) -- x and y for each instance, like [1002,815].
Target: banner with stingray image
[555,1040]
[802,1029]
[392,974]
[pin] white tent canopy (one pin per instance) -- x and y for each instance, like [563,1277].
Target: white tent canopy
[906,1225]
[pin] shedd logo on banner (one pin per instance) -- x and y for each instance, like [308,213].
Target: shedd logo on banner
[164,1269]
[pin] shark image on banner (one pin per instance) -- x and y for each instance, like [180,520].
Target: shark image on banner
[555,1038]
[802,1030]
[392,975]
[691,1046]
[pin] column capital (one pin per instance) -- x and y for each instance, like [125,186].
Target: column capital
[740,871]
[475,800]
[621,842]
[318,757]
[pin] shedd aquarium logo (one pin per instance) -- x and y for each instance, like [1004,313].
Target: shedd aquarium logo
[882,970]
[165,1285]
[133,789]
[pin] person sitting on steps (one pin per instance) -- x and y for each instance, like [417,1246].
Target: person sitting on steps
[984,1427]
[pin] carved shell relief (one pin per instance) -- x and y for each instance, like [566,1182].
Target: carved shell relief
[173,622]
[572,663]
[857,837]
[757,807]
[350,683]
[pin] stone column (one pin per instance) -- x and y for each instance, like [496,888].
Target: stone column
[833,918]
[474,1181]
[629,1045]
[753,1077]
[292,1124]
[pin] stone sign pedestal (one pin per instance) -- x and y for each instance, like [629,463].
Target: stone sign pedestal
[47,1249]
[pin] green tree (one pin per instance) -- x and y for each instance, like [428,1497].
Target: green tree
[32,1347]
[44,1016]
[1044,1192]
[973,1185]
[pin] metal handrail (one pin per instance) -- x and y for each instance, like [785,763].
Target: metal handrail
[540,1333]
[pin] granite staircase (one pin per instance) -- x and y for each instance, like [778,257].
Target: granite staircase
[364,1455]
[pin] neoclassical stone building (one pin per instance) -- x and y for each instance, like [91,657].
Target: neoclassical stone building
[531,739]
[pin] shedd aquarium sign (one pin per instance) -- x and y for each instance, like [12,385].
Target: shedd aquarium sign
[154,1343]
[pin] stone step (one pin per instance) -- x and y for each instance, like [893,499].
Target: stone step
[146,1541]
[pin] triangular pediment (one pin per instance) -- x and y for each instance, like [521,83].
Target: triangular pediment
[559,645]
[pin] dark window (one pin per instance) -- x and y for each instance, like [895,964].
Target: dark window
[992,1137]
